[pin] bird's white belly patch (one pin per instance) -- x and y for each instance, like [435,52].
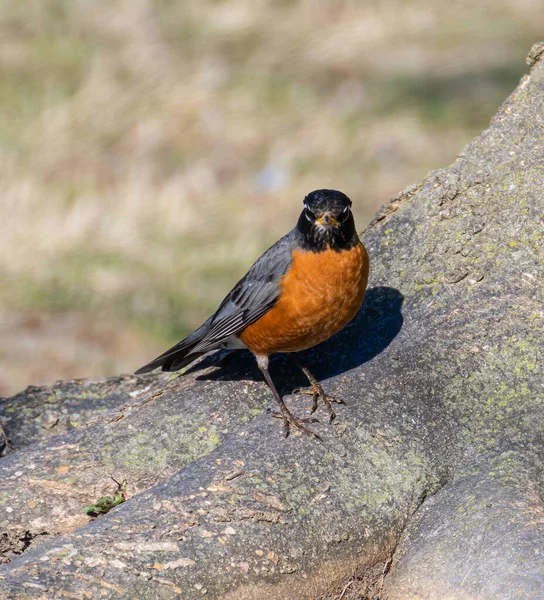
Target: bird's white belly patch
[233,342]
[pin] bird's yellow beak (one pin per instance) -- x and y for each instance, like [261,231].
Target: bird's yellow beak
[326,220]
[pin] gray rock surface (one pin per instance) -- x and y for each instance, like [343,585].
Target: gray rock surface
[433,469]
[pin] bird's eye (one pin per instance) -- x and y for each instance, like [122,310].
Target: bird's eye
[344,214]
[309,215]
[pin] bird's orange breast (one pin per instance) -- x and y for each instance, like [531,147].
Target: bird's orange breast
[320,294]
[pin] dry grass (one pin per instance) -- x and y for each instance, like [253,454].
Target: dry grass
[151,149]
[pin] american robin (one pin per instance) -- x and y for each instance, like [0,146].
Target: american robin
[301,291]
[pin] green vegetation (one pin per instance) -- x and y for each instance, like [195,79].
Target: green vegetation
[103,505]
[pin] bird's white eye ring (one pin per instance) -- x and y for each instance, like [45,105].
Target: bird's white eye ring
[309,215]
[345,210]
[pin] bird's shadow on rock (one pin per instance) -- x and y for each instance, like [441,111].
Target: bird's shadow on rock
[376,325]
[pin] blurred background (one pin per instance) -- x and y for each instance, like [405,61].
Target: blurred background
[150,150]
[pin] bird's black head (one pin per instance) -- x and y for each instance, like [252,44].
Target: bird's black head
[326,221]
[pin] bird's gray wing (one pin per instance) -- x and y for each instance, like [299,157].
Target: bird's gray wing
[253,296]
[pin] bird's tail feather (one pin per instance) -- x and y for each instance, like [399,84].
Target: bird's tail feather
[179,355]
[178,362]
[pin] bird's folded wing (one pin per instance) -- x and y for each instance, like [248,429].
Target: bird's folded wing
[253,296]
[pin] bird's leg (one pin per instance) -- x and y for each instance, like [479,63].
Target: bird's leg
[288,418]
[315,390]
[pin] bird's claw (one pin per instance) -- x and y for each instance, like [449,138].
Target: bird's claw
[316,392]
[289,419]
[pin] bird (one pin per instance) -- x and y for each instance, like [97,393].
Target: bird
[305,288]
